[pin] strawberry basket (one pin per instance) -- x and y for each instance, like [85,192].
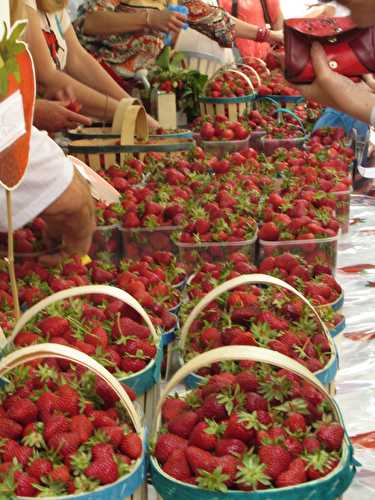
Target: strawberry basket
[144,380]
[232,107]
[127,483]
[203,471]
[342,200]
[142,241]
[106,239]
[325,375]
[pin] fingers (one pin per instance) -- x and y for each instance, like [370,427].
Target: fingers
[77,118]
[320,62]
[176,22]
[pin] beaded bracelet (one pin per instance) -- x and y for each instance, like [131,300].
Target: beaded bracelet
[263,35]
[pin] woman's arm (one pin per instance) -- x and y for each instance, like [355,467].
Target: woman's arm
[83,67]
[250,31]
[114,23]
[48,77]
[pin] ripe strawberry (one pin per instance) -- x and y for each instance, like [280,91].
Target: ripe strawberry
[60,474]
[26,338]
[53,326]
[229,465]
[40,467]
[311,444]
[131,445]
[229,447]
[238,430]
[55,424]
[103,469]
[166,444]
[255,402]
[102,419]
[331,436]
[269,232]
[24,411]
[211,408]
[295,422]
[68,400]
[101,450]
[276,458]
[12,450]
[200,459]
[25,486]
[9,428]
[294,447]
[177,466]
[295,474]
[203,436]
[132,365]
[128,327]
[247,381]
[83,426]
[183,424]
[172,407]
[65,443]
[97,337]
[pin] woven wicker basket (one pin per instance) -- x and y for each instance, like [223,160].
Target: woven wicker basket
[146,382]
[232,107]
[130,487]
[327,488]
[326,376]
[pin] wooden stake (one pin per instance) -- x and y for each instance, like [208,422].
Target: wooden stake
[12,273]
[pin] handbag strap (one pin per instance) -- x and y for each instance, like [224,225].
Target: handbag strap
[266,12]
[234,9]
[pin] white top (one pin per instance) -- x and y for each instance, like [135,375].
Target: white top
[54,27]
[48,175]
[292,8]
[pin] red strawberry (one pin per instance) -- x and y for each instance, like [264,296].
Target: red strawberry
[212,408]
[9,428]
[55,424]
[115,434]
[295,422]
[83,426]
[177,466]
[53,326]
[183,424]
[238,430]
[132,365]
[103,469]
[166,444]
[107,394]
[311,444]
[68,400]
[295,474]
[247,381]
[276,458]
[203,436]
[24,411]
[200,459]
[331,436]
[60,474]
[229,465]
[65,443]
[294,447]
[25,486]
[26,338]
[255,402]
[97,337]
[269,232]
[40,467]
[101,419]
[12,450]
[102,449]
[128,327]
[229,447]
[131,445]
[173,407]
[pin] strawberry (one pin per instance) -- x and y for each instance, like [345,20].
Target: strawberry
[68,400]
[40,467]
[212,408]
[128,327]
[55,424]
[269,232]
[172,407]
[83,426]
[200,459]
[177,466]
[295,474]
[25,485]
[166,444]
[229,465]
[103,469]
[101,450]
[53,326]
[97,337]
[65,443]
[13,450]
[133,365]
[238,430]
[255,402]
[60,474]
[24,339]
[331,436]
[311,444]
[24,411]
[131,445]
[247,381]
[276,458]
[101,419]
[183,424]
[203,436]
[295,422]
[9,428]
[229,447]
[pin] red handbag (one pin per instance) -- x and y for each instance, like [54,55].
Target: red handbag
[350,50]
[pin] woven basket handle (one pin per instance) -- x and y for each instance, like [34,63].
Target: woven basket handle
[249,60]
[237,353]
[111,291]
[231,70]
[134,125]
[246,279]
[33,352]
[118,118]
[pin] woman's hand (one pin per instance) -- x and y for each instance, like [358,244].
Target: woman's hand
[166,21]
[277,36]
[54,116]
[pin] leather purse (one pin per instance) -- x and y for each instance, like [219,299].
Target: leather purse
[350,50]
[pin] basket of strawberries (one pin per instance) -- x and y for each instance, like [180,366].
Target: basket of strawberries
[68,428]
[104,322]
[262,311]
[263,428]
[229,93]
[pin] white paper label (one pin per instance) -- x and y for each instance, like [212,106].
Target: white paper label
[12,120]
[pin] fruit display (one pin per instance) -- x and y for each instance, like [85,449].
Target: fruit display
[66,428]
[276,85]
[230,83]
[258,310]
[27,241]
[258,425]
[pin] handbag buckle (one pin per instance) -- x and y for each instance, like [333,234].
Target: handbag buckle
[332,40]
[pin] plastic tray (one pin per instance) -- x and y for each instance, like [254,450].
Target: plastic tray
[139,242]
[191,255]
[343,209]
[269,146]
[222,148]
[322,251]
[255,140]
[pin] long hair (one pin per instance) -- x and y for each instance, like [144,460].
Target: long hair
[51,6]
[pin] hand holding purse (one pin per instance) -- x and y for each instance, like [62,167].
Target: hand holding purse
[350,50]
